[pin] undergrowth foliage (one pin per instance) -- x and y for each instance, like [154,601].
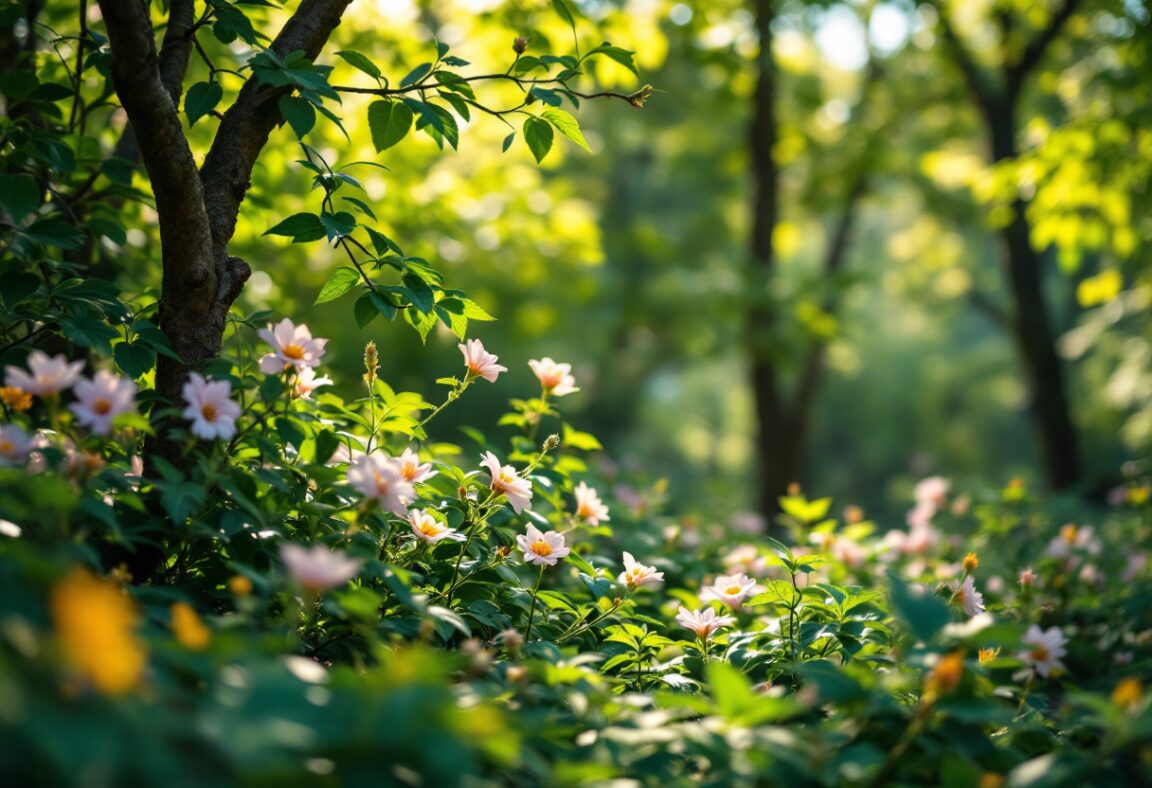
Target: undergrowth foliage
[302,588]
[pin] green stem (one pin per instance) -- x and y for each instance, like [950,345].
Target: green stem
[1027,689]
[532,611]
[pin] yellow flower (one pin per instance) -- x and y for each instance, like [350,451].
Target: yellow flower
[991,780]
[986,655]
[971,562]
[946,675]
[1138,495]
[15,398]
[189,629]
[240,585]
[95,624]
[1128,693]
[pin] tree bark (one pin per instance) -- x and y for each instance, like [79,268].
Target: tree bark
[1030,322]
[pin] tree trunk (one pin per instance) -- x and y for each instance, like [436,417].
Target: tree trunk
[1032,326]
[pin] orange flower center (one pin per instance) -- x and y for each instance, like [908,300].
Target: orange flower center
[293,352]
[430,528]
[1040,653]
[541,548]
[208,411]
[408,471]
[732,590]
[6,446]
[101,407]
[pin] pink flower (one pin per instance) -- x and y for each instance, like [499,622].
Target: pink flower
[702,623]
[589,508]
[481,363]
[292,346]
[46,376]
[969,599]
[555,378]
[637,575]
[748,559]
[15,444]
[505,480]
[318,569]
[431,530]
[102,399]
[306,382]
[932,491]
[731,590]
[378,478]
[210,408]
[1047,648]
[544,549]
[411,468]
[1027,578]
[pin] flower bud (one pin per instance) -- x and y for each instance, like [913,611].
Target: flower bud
[371,363]
[971,562]
[512,640]
[946,676]
[519,45]
[552,442]
[1027,578]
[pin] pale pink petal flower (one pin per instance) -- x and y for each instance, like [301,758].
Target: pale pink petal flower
[969,599]
[210,408]
[747,558]
[589,508]
[412,469]
[1047,648]
[378,478]
[932,491]
[306,382]
[319,568]
[555,378]
[515,488]
[543,549]
[15,444]
[705,623]
[481,363]
[431,530]
[637,575]
[102,399]
[1027,578]
[731,590]
[45,376]
[292,346]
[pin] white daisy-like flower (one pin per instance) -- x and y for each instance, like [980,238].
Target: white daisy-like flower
[292,346]
[544,549]
[102,399]
[210,407]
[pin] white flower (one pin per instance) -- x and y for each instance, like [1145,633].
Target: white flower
[15,444]
[555,378]
[732,590]
[748,559]
[411,468]
[637,575]
[969,599]
[480,362]
[306,382]
[932,491]
[210,408]
[428,528]
[46,376]
[378,478]
[702,623]
[1047,648]
[102,399]
[544,549]
[292,346]
[515,488]
[1074,538]
[319,568]
[589,508]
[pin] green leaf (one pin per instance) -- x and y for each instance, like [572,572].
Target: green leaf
[389,122]
[56,232]
[923,614]
[20,195]
[566,125]
[343,279]
[416,74]
[421,295]
[337,225]
[621,56]
[201,99]
[135,358]
[361,63]
[565,13]
[507,142]
[538,135]
[300,227]
[299,114]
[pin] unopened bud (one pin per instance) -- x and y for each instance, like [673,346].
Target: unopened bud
[946,675]
[516,673]
[971,562]
[638,98]
[552,442]
[371,363]
[519,45]
[794,488]
[512,640]
[853,514]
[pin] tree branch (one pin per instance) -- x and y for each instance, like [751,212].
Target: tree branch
[246,125]
[987,94]
[163,149]
[176,48]
[1016,73]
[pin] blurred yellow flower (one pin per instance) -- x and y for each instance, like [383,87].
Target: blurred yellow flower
[189,629]
[1128,693]
[991,780]
[971,562]
[946,675]
[988,654]
[1138,495]
[95,623]
[240,585]
[16,398]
